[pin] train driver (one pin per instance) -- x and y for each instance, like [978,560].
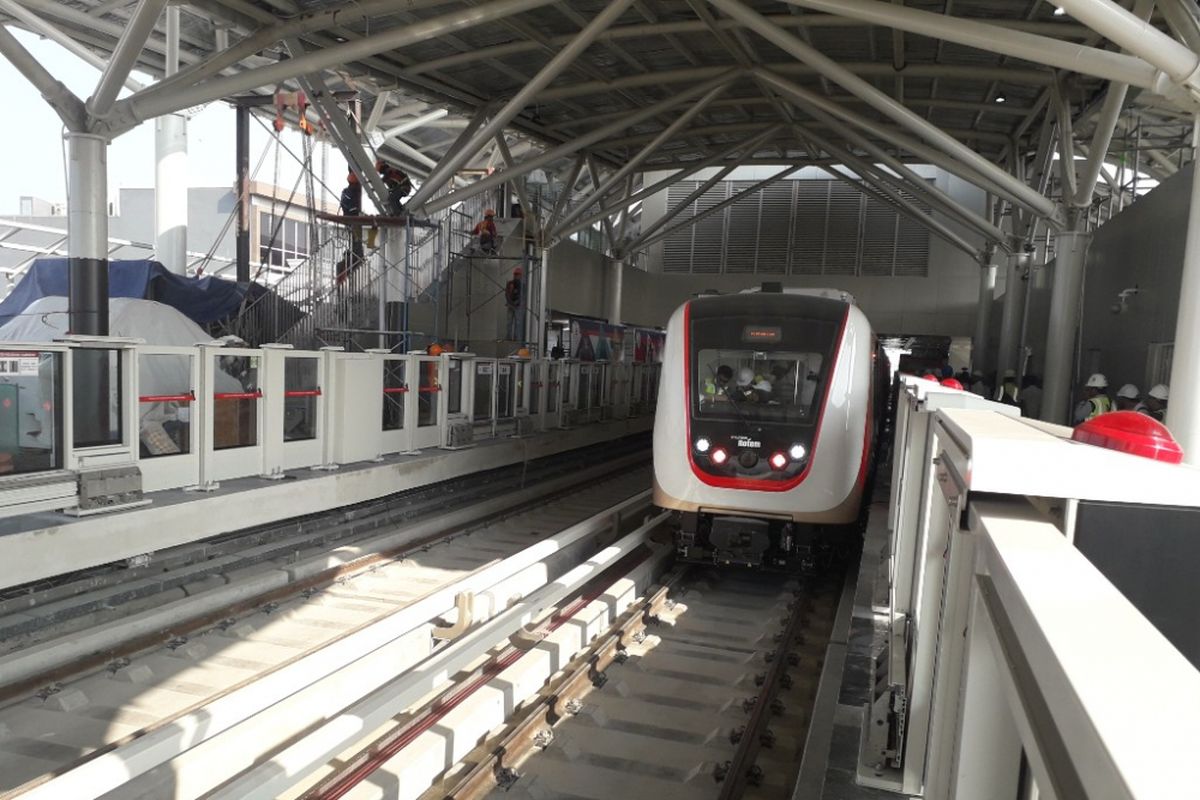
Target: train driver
[716,386]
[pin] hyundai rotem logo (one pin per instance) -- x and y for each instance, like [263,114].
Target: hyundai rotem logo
[747,443]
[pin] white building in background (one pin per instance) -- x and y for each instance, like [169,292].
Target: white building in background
[281,231]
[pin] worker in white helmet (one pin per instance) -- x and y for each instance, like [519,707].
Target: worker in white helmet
[1095,399]
[1129,398]
[746,392]
[1156,402]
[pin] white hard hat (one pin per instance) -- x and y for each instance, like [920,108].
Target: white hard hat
[1128,391]
[1159,392]
[1097,381]
[763,386]
[1010,373]
[745,377]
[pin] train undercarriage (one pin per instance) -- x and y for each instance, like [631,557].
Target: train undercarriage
[733,540]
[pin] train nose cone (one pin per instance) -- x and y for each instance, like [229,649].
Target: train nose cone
[748,458]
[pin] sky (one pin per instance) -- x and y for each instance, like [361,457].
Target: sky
[33,148]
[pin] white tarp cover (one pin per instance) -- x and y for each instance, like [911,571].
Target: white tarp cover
[45,320]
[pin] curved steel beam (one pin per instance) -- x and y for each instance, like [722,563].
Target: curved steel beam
[888,107]
[553,68]
[153,102]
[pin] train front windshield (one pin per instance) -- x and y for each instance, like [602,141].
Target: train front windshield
[751,369]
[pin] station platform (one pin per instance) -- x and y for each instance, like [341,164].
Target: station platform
[37,546]
[1022,600]
[831,753]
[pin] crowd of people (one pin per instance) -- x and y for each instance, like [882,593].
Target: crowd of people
[1128,398]
[1095,400]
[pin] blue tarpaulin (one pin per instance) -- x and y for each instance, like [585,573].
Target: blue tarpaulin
[204,300]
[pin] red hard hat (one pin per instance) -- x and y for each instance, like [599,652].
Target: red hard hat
[929,376]
[517,271]
[351,178]
[489,212]
[952,383]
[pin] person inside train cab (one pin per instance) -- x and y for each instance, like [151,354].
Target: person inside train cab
[715,387]
[745,391]
[1095,399]
[1156,402]
[784,376]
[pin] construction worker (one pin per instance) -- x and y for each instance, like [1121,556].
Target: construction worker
[1030,398]
[398,184]
[350,205]
[1156,402]
[512,301]
[1008,389]
[486,232]
[1129,399]
[1095,400]
[979,385]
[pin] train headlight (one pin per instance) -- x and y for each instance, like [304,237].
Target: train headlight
[797,452]
[719,456]
[702,445]
[778,461]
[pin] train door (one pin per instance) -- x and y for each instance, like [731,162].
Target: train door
[456,406]
[424,415]
[483,398]
[506,397]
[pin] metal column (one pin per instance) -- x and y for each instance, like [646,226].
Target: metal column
[1015,287]
[87,233]
[543,306]
[983,318]
[243,193]
[1183,410]
[170,170]
[616,280]
[1065,299]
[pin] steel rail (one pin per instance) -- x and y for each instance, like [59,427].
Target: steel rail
[739,773]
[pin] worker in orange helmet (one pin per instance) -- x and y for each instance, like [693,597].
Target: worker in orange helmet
[350,204]
[486,231]
[399,186]
[512,301]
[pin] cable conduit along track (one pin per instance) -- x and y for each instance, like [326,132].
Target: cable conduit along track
[143,747]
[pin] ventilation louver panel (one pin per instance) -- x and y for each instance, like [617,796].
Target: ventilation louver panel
[810,221]
[801,227]
[741,241]
[708,235]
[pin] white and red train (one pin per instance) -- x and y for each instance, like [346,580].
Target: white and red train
[769,410]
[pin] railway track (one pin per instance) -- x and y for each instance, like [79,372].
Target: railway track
[700,685]
[209,672]
[709,700]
